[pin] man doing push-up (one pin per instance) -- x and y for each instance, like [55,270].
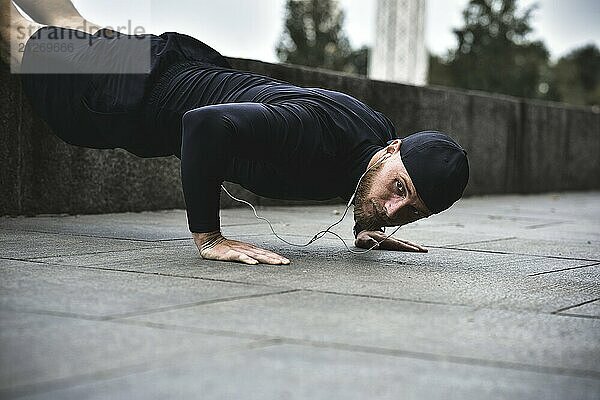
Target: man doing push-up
[271,137]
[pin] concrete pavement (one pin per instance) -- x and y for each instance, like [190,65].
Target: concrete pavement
[506,304]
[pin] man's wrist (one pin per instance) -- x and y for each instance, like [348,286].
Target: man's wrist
[358,229]
[208,240]
[203,237]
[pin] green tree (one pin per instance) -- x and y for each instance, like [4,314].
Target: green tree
[577,76]
[314,36]
[494,53]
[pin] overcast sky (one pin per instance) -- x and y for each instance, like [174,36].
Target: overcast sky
[251,28]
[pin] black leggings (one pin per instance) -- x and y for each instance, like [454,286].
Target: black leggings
[85,88]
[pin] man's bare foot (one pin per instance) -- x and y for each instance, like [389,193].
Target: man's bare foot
[15,30]
[79,24]
[61,13]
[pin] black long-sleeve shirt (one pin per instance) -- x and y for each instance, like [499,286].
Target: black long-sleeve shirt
[273,138]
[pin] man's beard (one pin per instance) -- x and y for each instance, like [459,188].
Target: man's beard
[365,214]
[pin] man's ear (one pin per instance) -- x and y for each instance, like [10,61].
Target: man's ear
[393,146]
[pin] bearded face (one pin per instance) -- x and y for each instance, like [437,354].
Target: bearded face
[386,195]
[366,212]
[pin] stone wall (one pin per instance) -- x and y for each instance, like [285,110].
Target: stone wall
[514,146]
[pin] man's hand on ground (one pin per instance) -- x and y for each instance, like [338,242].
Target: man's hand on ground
[366,240]
[213,246]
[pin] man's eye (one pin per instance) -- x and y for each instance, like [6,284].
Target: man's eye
[400,187]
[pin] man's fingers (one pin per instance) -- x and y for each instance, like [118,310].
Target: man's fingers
[245,258]
[402,245]
[269,260]
[369,241]
[263,258]
[418,246]
[421,248]
[372,243]
[266,254]
[396,244]
[275,259]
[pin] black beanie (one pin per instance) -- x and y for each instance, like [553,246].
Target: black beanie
[438,167]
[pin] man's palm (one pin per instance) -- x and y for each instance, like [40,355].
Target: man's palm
[233,250]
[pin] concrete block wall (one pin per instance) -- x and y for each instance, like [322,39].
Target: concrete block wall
[41,174]
[514,146]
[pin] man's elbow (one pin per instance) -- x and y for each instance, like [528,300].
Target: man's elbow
[209,120]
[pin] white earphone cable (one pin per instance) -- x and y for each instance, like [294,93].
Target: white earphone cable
[322,233]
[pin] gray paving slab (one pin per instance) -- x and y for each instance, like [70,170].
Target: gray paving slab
[24,245]
[40,350]
[489,226]
[504,305]
[590,309]
[572,205]
[573,216]
[442,275]
[146,226]
[427,329]
[100,293]
[301,372]
[583,249]
[550,292]
[487,222]
[326,252]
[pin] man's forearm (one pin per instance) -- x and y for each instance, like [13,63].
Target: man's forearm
[204,156]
